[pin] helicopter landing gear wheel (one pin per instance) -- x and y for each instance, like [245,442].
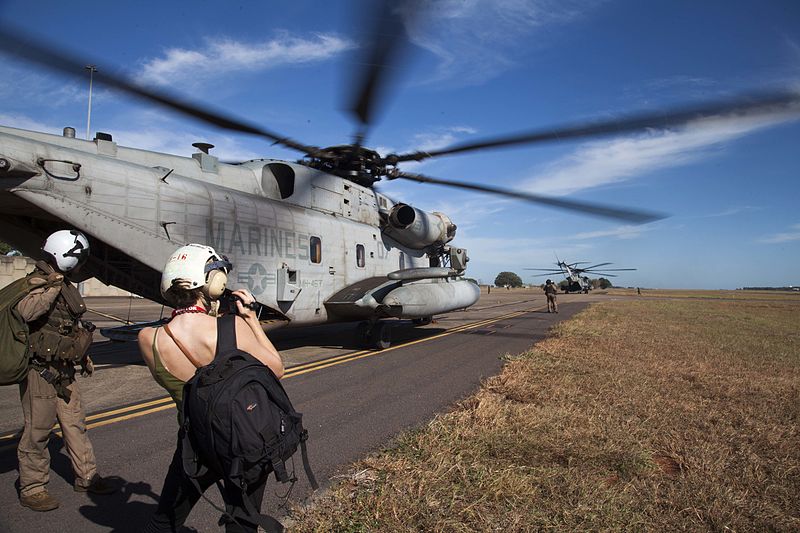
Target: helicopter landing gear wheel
[380,337]
[374,335]
[362,332]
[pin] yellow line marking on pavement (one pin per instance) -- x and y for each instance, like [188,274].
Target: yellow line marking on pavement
[112,317]
[161,404]
[326,364]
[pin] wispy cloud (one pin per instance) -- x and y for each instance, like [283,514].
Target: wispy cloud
[792,235]
[223,56]
[606,162]
[620,232]
[475,40]
[730,212]
[41,89]
[440,138]
[26,123]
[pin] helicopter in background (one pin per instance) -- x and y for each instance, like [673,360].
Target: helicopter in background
[577,278]
[313,239]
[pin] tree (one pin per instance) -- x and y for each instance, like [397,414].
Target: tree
[604,283]
[507,278]
[4,248]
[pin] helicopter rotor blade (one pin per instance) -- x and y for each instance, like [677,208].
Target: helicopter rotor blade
[383,52]
[609,270]
[753,103]
[595,266]
[17,44]
[628,215]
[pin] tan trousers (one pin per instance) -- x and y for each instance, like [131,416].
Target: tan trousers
[552,305]
[42,408]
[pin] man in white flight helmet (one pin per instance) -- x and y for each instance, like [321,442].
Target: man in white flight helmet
[57,342]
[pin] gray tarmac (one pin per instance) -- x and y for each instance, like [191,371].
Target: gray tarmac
[354,402]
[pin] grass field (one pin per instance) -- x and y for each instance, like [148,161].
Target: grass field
[635,415]
[788,296]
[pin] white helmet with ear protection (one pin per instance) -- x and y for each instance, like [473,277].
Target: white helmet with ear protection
[197,265]
[69,249]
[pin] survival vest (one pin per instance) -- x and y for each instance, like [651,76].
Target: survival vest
[58,334]
[239,424]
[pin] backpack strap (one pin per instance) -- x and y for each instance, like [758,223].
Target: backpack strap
[306,465]
[226,334]
[181,347]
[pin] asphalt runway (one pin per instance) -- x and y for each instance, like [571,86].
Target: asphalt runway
[354,402]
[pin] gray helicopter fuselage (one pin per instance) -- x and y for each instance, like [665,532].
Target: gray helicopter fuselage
[297,236]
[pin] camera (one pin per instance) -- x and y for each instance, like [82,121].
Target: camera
[227,304]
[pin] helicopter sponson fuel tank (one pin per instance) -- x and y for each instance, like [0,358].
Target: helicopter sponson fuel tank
[417,229]
[412,293]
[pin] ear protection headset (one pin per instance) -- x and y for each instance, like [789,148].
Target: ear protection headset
[216,279]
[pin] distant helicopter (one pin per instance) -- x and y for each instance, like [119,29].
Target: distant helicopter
[576,278]
[312,239]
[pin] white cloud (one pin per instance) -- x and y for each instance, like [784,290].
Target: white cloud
[606,162]
[730,212]
[475,40]
[26,123]
[621,232]
[792,235]
[440,138]
[223,56]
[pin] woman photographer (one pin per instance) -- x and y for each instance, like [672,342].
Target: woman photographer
[194,278]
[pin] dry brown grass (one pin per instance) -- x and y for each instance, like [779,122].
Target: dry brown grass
[645,415]
[787,296]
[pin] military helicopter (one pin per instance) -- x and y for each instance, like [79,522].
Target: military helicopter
[575,276]
[313,239]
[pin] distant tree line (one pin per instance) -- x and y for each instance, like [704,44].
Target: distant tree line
[4,248]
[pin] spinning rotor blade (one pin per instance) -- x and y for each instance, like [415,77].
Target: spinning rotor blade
[595,266]
[385,45]
[628,215]
[21,46]
[609,270]
[753,103]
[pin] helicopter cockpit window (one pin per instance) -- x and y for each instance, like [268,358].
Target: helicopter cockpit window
[315,252]
[284,175]
[360,256]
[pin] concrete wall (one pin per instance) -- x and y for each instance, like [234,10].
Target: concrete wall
[13,268]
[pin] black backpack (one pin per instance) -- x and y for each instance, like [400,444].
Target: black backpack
[239,424]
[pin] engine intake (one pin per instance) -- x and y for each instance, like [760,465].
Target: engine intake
[417,229]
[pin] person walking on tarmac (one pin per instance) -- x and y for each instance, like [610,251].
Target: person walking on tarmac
[194,279]
[550,291]
[57,341]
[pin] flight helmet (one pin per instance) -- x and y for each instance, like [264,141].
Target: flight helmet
[197,266]
[66,249]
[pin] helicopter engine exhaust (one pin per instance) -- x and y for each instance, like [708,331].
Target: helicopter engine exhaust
[417,229]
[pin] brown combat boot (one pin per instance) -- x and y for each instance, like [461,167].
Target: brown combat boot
[98,485]
[40,501]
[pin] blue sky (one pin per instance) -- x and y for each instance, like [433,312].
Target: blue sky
[479,68]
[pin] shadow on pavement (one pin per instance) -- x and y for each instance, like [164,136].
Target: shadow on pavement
[120,515]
